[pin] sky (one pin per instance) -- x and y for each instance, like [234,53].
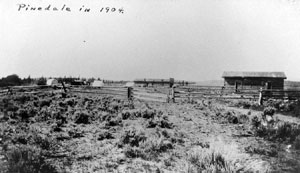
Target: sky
[185,39]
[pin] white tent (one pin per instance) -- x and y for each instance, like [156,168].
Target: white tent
[97,83]
[129,84]
[52,82]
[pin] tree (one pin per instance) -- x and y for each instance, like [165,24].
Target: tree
[27,81]
[11,80]
[42,81]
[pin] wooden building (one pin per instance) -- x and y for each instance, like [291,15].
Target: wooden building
[154,82]
[160,82]
[253,80]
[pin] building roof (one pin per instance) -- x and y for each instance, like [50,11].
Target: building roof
[152,80]
[244,74]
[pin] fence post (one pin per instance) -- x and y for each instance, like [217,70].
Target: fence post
[260,99]
[130,97]
[129,93]
[173,94]
[64,87]
[64,94]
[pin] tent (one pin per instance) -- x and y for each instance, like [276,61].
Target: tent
[52,82]
[129,84]
[97,83]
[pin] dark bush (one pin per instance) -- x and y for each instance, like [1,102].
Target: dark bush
[62,104]
[12,107]
[132,137]
[231,117]
[152,123]
[27,159]
[166,124]
[126,115]
[243,118]
[269,111]
[114,122]
[148,113]
[22,98]
[153,147]
[33,111]
[279,131]
[159,122]
[271,151]
[76,133]
[255,122]
[82,118]
[45,102]
[70,102]
[21,139]
[130,114]
[43,141]
[149,149]
[132,152]
[105,135]
[22,113]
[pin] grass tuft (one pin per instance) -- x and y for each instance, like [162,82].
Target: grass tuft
[208,160]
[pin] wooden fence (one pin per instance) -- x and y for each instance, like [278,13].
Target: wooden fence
[229,93]
[281,94]
[165,94]
[215,92]
[147,94]
[107,90]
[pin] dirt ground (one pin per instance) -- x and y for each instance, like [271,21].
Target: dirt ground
[47,132]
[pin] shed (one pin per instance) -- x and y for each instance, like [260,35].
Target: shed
[52,82]
[253,80]
[77,82]
[154,82]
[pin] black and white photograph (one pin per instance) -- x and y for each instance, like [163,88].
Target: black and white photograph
[150,86]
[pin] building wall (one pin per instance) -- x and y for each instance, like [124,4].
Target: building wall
[253,83]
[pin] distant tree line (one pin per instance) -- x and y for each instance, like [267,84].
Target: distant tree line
[15,80]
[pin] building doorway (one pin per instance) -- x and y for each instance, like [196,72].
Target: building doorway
[268,85]
[238,85]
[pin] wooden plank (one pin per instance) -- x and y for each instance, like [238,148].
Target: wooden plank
[153,95]
[144,90]
[101,90]
[108,93]
[152,90]
[272,90]
[216,96]
[114,90]
[150,99]
[105,89]
[150,94]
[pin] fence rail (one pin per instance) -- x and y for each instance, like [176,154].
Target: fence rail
[164,94]
[231,93]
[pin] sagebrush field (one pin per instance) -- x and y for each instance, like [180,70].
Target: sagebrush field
[48,132]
